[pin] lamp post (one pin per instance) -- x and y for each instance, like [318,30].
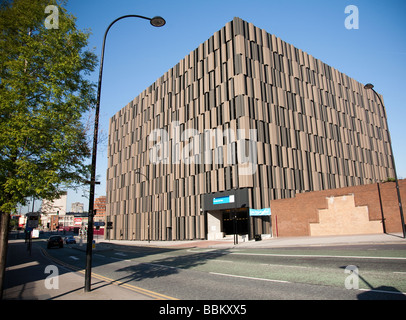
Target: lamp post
[370,86]
[149,215]
[156,22]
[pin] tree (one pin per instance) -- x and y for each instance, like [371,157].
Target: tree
[43,94]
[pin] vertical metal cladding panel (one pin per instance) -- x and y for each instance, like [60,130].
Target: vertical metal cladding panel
[180,226]
[239,45]
[143,220]
[192,227]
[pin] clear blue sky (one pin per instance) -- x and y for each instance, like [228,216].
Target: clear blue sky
[138,54]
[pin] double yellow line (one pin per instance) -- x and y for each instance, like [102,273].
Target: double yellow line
[128,286]
[152,294]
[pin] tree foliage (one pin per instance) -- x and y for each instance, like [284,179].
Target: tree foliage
[43,94]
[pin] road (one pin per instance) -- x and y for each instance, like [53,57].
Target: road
[314,273]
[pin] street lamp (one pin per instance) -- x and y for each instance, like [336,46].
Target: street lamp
[149,214]
[370,86]
[156,22]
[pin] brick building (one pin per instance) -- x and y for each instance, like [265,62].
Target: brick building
[243,120]
[364,209]
[100,207]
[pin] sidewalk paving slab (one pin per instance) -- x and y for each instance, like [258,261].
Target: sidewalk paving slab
[71,287]
[375,239]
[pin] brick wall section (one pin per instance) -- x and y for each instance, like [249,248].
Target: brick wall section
[291,217]
[390,205]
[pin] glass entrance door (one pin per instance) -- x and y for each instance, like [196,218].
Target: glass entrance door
[235,221]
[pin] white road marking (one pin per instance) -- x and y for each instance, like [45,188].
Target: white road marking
[315,256]
[74,258]
[121,254]
[281,281]
[283,266]
[119,259]
[159,265]
[250,278]
[200,250]
[23,265]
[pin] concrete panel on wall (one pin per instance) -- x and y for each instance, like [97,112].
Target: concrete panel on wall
[342,217]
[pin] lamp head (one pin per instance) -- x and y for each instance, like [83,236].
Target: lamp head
[369,86]
[157,21]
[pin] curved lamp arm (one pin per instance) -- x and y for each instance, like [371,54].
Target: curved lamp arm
[156,22]
[402,220]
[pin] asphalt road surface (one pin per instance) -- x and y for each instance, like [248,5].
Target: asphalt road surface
[365,272]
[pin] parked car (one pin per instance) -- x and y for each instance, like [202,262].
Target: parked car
[55,241]
[70,239]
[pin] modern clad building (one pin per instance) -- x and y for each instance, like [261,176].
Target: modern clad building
[244,119]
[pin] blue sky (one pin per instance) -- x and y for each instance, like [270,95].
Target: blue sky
[138,54]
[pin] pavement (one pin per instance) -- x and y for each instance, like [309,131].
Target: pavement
[20,284]
[265,243]
[27,278]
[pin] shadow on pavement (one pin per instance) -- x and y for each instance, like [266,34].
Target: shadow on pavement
[168,266]
[381,293]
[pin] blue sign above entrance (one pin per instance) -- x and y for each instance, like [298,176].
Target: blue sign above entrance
[231,199]
[223,200]
[260,212]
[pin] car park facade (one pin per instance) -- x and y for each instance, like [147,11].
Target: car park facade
[243,120]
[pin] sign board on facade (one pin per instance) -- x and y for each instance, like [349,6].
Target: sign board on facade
[224,200]
[260,212]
